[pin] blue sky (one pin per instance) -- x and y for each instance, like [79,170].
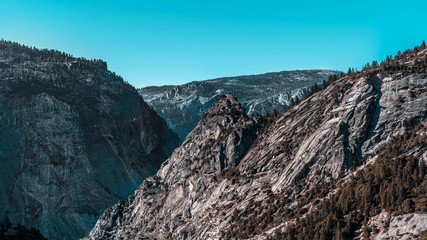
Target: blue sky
[172,42]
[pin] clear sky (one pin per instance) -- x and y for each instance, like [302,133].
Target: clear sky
[158,42]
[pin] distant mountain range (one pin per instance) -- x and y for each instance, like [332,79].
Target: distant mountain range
[183,105]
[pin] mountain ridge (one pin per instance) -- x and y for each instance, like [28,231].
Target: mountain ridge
[183,105]
[216,186]
[75,139]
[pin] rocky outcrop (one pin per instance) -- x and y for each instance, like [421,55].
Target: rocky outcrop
[75,138]
[325,137]
[232,174]
[183,105]
[406,226]
[162,204]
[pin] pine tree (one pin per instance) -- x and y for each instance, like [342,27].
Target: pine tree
[374,64]
[292,102]
[284,107]
[421,170]
[314,88]
[337,233]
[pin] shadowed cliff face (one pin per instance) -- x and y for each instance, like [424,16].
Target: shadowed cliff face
[230,167]
[74,139]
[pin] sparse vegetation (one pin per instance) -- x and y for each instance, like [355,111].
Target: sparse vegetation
[395,182]
[29,65]
[398,64]
[399,187]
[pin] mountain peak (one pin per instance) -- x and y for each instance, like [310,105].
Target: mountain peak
[225,105]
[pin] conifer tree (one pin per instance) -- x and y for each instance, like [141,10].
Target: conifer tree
[292,102]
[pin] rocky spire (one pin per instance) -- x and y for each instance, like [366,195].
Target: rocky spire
[186,179]
[226,105]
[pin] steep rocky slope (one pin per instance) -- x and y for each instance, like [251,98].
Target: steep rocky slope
[75,138]
[217,144]
[293,175]
[183,105]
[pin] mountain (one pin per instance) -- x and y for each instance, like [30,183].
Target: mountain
[348,161]
[183,105]
[75,138]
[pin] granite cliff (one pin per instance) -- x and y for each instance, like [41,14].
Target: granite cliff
[75,138]
[325,168]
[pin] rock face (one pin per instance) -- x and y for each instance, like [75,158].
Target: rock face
[75,138]
[231,167]
[405,226]
[215,146]
[182,106]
